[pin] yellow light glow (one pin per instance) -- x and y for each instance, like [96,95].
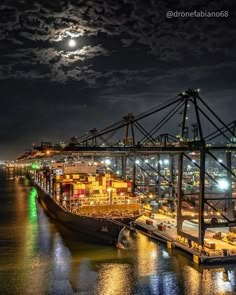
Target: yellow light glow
[113,279]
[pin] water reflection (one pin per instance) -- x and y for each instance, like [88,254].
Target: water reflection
[114,278]
[41,257]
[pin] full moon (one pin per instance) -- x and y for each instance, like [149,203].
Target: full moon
[72,43]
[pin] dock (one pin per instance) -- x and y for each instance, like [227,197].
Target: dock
[164,229]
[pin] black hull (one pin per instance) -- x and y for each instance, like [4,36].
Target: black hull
[98,230]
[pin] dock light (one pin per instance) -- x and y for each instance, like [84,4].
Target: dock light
[72,43]
[223,184]
[107,161]
[48,152]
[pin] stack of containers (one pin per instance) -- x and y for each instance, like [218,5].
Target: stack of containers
[79,189]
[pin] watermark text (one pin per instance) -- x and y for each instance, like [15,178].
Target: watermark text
[197,14]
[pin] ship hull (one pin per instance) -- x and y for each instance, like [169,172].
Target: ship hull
[98,230]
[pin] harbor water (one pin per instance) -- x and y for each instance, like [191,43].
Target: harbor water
[38,256]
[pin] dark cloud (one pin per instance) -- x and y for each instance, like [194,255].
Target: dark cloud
[128,57]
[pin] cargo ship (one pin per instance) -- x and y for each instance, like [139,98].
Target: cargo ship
[96,206]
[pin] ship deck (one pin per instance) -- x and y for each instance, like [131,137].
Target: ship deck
[111,210]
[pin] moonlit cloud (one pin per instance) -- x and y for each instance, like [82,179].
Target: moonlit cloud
[44,26]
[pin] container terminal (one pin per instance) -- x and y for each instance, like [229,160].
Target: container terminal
[183,185]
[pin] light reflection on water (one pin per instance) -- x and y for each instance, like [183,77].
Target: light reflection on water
[39,257]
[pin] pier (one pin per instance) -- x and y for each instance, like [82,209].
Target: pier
[164,229]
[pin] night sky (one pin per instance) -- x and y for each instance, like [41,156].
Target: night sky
[128,57]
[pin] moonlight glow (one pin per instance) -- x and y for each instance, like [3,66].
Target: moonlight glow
[72,43]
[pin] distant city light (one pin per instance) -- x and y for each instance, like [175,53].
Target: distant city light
[137,162]
[146,161]
[34,166]
[166,161]
[223,184]
[72,43]
[220,160]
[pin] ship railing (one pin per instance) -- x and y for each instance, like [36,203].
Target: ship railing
[103,215]
[103,203]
